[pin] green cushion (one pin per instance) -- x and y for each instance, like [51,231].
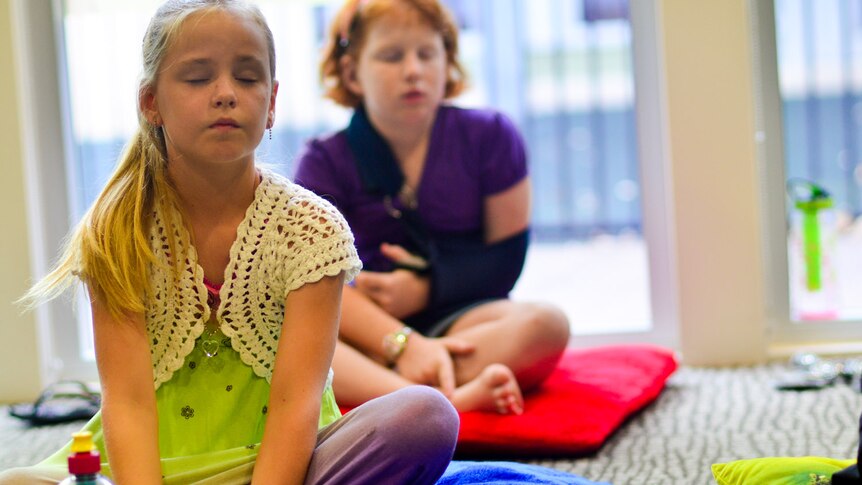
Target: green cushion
[779,471]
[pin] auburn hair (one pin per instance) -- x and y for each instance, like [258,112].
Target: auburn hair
[349,32]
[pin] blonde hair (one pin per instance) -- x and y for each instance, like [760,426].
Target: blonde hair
[110,247]
[349,31]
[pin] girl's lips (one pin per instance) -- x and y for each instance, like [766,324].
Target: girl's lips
[413,95]
[225,123]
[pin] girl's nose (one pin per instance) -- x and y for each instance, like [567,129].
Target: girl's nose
[225,102]
[412,66]
[225,96]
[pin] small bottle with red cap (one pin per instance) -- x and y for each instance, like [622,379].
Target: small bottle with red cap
[84,462]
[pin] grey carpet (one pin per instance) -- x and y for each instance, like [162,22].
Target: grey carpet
[704,416]
[708,416]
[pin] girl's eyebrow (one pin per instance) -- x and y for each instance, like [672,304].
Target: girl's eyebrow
[253,60]
[204,62]
[246,60]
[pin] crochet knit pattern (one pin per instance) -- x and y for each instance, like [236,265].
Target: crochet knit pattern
[289,237]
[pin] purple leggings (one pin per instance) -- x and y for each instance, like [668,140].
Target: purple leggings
[406,437]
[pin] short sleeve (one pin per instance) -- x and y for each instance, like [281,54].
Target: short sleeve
[320,244]
[505,160]
[314,171]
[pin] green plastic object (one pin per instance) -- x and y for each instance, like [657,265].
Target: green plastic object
[810,198]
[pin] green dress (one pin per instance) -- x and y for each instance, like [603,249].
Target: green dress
[200,410]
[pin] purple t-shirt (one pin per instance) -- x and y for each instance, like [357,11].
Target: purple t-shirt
[471,154]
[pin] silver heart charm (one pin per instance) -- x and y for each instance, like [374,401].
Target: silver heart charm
[210,347]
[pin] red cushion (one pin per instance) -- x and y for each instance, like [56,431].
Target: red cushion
[588,396]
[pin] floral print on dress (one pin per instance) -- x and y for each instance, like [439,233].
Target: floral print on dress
[187,412]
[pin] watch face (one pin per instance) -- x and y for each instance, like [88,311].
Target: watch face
[394,344]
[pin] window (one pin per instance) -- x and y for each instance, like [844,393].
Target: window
[563,70]
[811,82]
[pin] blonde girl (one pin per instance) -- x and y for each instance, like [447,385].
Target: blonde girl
[215,288]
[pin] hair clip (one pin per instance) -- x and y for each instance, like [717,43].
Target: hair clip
[349,24]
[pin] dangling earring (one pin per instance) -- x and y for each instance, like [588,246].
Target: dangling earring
[270,133]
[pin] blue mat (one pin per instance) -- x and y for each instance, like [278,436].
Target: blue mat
[507,473]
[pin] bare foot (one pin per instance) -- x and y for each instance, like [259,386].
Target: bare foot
[494,389]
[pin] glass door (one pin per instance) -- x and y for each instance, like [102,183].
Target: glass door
[578,115]
[811,132]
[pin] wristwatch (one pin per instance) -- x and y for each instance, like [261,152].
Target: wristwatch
[394,344]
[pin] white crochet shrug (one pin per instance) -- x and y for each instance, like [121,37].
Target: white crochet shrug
[289,237]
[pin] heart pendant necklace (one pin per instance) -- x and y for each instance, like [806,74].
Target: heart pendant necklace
[210,342]
[210,339]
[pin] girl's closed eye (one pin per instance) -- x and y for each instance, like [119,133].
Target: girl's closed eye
[195,71]
[247,77]
[249,70]
[428,53]
[390,55]
[195,76]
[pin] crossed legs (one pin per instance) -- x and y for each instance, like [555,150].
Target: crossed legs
[517,345]
[405,437]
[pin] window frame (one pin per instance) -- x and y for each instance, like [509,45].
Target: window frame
[43,96]
[656,208]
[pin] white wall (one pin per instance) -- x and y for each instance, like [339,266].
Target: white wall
[712,155]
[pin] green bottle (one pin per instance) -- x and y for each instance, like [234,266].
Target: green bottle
[816,297]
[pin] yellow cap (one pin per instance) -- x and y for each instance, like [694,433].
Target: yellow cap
[82,442]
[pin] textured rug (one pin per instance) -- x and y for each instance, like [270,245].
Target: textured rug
[704,416]
[707,416]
